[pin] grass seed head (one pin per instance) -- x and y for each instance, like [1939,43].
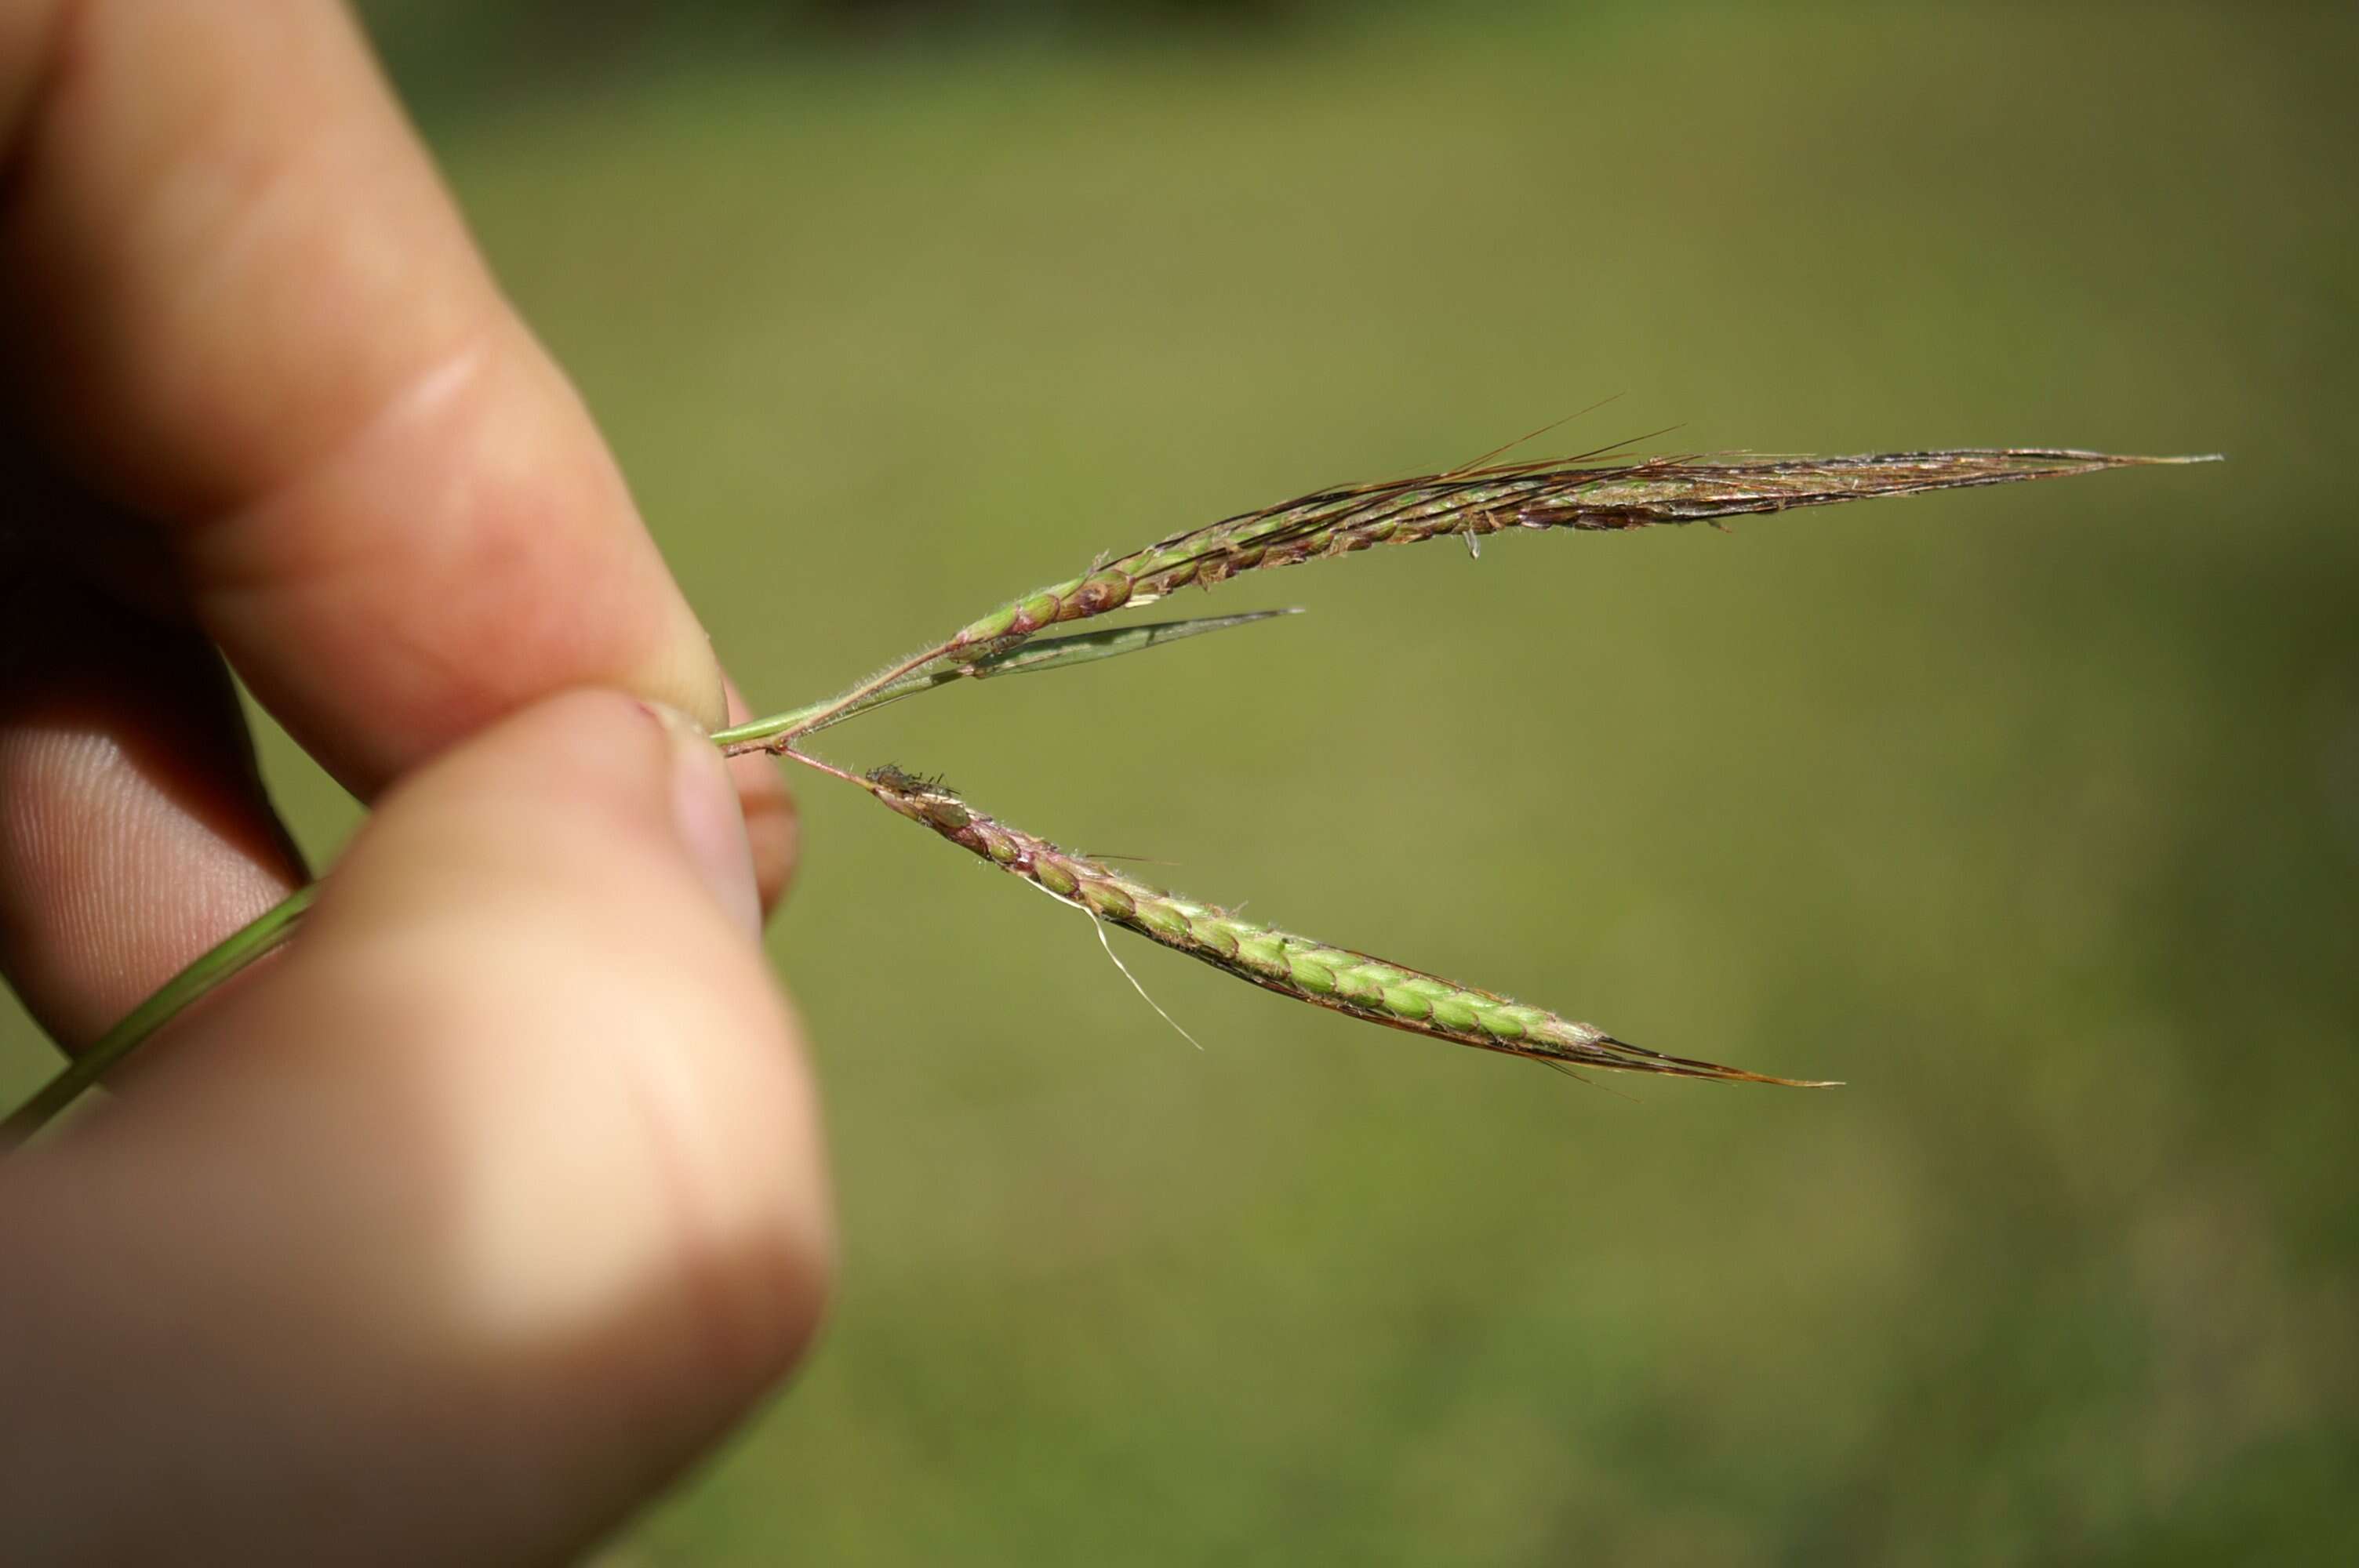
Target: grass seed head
[1580,494]
[1338,979]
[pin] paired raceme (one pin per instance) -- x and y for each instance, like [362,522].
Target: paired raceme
[1587,493]
[1580,494]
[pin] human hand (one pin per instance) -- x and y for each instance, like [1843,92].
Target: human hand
[451,1232]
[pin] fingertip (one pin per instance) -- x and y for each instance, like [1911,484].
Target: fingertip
[538,777]
[709,820]
[508,1180]
[547,857]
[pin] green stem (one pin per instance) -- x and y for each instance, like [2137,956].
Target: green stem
[773,733]
[241,948]
[271,929]
[755,734]
[776,732]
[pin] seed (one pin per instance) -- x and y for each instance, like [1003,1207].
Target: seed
[1496,1024]
[1316,978]
[995,624]
[1163,920]
[1212,935]
[1266,954]
[1403,1002]
[1454,1012]
[1107,901]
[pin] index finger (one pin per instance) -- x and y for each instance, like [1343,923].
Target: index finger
[246,309]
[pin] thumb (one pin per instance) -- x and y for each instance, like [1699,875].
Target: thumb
[459,1228]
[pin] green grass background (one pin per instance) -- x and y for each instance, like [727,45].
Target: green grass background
[2033,813]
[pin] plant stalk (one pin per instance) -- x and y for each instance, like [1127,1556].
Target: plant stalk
[227,958]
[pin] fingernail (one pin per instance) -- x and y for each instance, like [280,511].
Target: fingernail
[705,813]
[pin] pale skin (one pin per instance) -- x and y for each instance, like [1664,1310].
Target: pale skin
[453,1232]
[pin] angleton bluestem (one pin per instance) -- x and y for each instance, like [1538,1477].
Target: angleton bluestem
[1588,493]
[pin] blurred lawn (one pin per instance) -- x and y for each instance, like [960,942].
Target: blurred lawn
[2032,813]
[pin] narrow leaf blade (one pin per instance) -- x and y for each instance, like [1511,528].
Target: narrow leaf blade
[1086,647]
